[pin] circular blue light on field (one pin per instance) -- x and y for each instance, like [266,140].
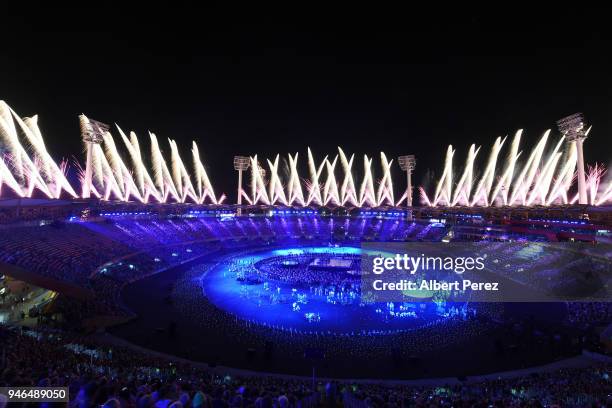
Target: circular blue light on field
[241,286]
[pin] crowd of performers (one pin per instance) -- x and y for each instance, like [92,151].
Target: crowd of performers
[297,278]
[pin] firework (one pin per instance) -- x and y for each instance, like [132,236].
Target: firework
[543,179]
[26,165]
[118,172]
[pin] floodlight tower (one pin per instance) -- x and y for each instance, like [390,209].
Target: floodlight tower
[241,163]
[407,164]
[92,133]
[573,128]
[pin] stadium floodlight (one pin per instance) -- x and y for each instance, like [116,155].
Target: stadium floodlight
[92,133]
[241,163]
[572,127]
[408,163]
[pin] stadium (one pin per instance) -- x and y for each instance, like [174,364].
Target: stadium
[280,210]
[148,273]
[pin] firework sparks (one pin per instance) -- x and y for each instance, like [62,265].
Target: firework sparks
[543,180]
[546,177]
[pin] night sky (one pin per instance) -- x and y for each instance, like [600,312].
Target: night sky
[400,82]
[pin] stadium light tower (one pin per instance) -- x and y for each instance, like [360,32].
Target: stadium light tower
[241,163]
[572,127]
[407,164]
[92,133]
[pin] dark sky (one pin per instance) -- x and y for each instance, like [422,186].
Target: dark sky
[400,81]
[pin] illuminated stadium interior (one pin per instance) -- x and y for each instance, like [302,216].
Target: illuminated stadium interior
[281,284]
[137,272]
[272,289]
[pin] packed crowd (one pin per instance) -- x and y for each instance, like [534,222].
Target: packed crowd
[104,256]
[555,270]
[66,252]
[72,251]
[562,388]
[358,345]
[589,313]
[114,376]
[299,270]
[102,374]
